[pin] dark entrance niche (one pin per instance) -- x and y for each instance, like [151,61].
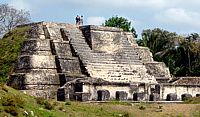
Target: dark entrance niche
[157,89]
[61,94]
[121,95]
[62,79]
[79,87]
[197,95]
[139,96]
[185,96]
[103,95]
[171,97]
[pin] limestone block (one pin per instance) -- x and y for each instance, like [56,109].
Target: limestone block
[69,65]
[121,95]
[40,87]
[44,53]
[62,49]
[68,77]
[37,71]
[34,62]
[40,79]
[36,45]
[36,30]
[103,95]
[106,41]
[186,96]
[157,69]
[171,97]
[144,53]
[46,94]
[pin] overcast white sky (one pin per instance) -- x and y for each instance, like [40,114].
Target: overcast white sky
[181,16]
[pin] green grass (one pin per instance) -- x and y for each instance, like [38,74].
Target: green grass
[10,46]
[195,100]
[31,104]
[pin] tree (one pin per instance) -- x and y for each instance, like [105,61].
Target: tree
[121,22]
[11,17]
[161,44]
[189,55]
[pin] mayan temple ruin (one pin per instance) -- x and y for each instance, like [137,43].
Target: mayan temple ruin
[63,61]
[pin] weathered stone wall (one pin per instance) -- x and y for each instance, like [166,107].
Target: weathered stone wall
[144,53]
[179,90]
[182,85]
[129,89]
[104,38]
[41,59]
[157,69]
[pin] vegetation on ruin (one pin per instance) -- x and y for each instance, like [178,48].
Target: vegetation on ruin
[121,22]
[10,46]
[16,103]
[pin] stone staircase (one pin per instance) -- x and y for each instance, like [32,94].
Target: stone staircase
[124,66]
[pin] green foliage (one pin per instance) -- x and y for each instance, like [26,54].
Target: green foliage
[121,22]
[46,104]
[194,100]
[10,46]
[40,100]
[12,110]
[180,54]
[67,103]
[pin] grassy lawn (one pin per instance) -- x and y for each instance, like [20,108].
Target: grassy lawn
[79,109]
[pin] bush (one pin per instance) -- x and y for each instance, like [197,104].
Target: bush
[126,114]
[8,101]
[40,100]
[67,103]
[15,86]
[48,105]
[55,103]
[142,107]
[19,102]
[60,108]
[12,110]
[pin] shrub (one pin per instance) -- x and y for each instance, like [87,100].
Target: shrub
[126,114]
[67,103]
[55,103]
[40,100]
[8,101]
[15,86]
[19,102]
[48,105]
[60,108]
[12,110]
[142,107]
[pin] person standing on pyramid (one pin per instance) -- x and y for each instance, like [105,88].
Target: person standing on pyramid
[77,20]
[81,20]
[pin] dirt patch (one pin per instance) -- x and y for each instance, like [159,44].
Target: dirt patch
[157,110]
